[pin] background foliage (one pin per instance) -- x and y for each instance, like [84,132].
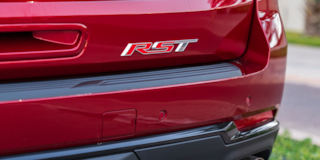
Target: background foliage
[286,148]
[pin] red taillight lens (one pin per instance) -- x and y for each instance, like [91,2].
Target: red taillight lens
[254,121]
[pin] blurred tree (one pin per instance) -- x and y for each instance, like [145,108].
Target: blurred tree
[312,13]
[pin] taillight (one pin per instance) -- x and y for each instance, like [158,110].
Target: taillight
[254,121]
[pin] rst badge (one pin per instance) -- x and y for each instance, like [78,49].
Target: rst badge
[146,48]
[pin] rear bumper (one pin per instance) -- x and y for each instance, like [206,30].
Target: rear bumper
[221,141]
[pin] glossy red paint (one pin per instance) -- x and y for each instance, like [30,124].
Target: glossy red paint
[119,123]
[111,25]
[41,124]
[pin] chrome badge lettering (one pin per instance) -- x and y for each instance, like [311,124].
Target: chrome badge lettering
[147,48]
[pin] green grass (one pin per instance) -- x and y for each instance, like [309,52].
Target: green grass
[286,148]
[298,38]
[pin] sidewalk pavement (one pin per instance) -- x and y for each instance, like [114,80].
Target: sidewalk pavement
[300,108]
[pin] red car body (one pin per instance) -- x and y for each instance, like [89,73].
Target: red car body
[247,34]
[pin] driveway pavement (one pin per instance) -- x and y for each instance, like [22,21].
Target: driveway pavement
[300,109]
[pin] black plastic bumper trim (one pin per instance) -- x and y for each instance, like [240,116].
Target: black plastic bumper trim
[121,156]
[225,131]
[116,82]
[210,148]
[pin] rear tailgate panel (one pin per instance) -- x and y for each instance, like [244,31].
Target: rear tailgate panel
[221,29]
